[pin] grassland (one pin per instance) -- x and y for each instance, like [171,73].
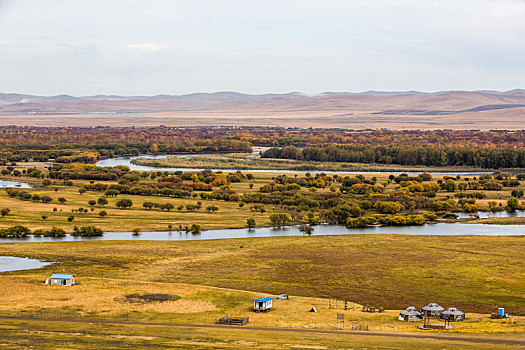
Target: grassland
[30,213]
[506,119]
[476,274]
[67,335]
[209,279]
[214,278]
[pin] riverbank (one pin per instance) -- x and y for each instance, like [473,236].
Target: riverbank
[499,221]
[71,205]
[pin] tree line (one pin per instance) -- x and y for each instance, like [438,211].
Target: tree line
[488,158]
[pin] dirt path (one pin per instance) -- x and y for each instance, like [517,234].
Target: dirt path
[377,334]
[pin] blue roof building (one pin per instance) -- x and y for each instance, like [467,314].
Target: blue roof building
[59,279]
[59,275]
[262,304]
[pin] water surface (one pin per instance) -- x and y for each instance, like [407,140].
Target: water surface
[14,184]
[488,214]
[455,229]
[11,263]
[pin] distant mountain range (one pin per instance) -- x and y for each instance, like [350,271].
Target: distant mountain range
[222,96]
[373,109]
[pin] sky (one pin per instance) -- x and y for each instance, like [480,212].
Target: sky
[128,47]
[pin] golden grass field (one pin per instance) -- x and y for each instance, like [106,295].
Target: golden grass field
[104,298]
[68,335]
[487,120]
[107,271]
[218,277]
[474,273]
[30,213]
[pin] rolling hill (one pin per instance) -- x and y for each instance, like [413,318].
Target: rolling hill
[371,109]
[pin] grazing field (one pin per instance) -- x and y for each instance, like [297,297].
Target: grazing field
[53,335]
[29,213]
[476,274]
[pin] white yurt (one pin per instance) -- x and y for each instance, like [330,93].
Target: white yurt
[411,313]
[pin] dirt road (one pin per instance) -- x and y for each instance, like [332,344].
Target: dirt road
[466,338]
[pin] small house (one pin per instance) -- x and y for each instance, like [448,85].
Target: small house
[452,314]
[411,314]
[432,309]
[61,280]
[262,304]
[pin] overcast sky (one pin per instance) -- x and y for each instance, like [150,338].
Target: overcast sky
[181,46]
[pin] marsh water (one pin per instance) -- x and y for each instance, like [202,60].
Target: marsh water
[15,184]
[11,263]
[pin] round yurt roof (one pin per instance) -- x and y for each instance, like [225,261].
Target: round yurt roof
[433,307]
[453,311]
[411,311]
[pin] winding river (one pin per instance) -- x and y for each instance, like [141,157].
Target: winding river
[456,229]
[127,162]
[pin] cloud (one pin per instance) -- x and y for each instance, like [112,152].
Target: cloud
[254,46]
[146,47]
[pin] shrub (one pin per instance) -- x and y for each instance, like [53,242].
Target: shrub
[52,232]
[124,203]
[279,220]
[389,207]
[87,231]
[400,220]
[196,228]
[360,222]
[15,231]
[449,215]
[431,217]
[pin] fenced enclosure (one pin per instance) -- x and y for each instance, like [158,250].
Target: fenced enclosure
[233,320]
